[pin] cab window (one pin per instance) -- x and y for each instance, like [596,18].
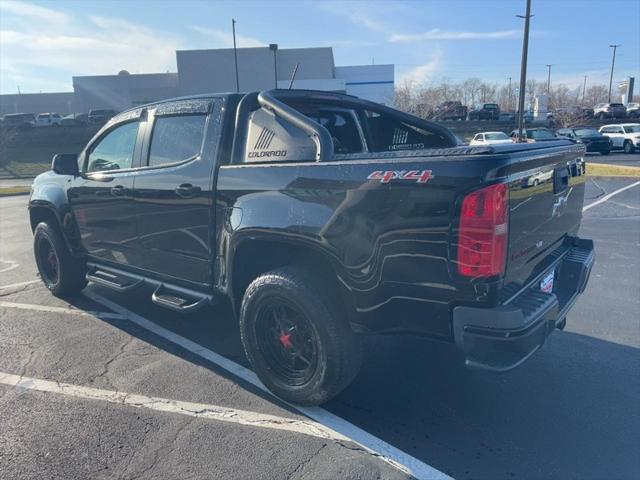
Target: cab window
[341,123]
[176,138]
[114,151]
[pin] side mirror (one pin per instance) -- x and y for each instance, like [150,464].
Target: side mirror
[65,164]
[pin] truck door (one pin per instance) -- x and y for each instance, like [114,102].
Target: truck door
[174,190]
[101,197]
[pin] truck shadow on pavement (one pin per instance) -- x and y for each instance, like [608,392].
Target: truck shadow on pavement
[569,412]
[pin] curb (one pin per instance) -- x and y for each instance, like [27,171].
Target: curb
[17,194]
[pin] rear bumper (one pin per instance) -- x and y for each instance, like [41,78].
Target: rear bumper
[501,338]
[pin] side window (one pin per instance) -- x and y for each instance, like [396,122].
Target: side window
[388,133]
[343,129]
[175,139]
[115,150]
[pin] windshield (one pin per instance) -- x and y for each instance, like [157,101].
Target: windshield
[586,132]
[496,136]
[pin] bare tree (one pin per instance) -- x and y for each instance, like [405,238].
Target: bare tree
[404,98]
[561,96]
[470,89]
[504,99]
[596,94]
[531,90]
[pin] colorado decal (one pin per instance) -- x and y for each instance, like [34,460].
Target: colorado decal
[419,176]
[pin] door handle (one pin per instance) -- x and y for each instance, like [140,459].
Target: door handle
[186,190]
[118,190]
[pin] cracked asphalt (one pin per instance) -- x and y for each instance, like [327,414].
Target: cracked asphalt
[572,411]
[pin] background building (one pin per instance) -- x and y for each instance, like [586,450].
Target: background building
[212,71]
[119,92]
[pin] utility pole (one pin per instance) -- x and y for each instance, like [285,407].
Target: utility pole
[613,62]
[549,79]
[274,48]
[509,97]
[584,88]
[235,53]
[523,70]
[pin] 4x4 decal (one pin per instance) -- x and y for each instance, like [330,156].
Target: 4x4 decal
[420,176]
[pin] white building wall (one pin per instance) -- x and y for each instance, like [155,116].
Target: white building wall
[371,82]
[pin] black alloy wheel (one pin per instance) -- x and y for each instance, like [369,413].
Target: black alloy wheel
[61,272]
[48,262]
[287,340]
[296,336]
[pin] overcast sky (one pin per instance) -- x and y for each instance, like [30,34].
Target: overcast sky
[42,44]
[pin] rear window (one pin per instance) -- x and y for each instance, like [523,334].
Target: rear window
[616,104]
[175,139]
[388,133]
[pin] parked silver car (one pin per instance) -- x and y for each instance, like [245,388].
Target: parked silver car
[633,110]
[609,110]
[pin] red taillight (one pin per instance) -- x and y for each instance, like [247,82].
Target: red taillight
[483,232]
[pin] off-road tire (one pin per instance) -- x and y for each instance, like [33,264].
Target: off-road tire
[70,278]
[339,352]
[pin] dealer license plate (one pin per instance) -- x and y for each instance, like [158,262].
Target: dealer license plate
[546,284]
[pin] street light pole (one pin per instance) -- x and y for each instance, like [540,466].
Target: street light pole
[523,70]
[235,53]
[584,88]
[613,62]
[549,79]
[509,97]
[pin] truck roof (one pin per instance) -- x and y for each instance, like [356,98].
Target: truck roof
[317,94]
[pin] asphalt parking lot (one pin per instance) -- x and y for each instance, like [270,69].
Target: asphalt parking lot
[102,376]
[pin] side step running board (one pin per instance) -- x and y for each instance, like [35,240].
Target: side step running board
[116,281]
[173,297]
[178,301]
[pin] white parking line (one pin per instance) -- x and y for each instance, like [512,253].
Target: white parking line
[200,410]
[66,311]
[11,266]
[609,195]
[19,284]
[372,444]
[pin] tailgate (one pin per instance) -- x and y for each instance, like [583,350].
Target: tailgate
[546,194]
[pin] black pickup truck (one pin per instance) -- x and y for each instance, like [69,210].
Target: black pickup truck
[320,217]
